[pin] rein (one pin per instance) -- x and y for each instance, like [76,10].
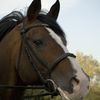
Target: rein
[29,88]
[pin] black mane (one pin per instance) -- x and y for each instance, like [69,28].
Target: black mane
[8,22]
[53,25]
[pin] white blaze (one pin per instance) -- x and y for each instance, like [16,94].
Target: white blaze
[57,39]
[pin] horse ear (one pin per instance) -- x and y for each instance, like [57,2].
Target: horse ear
[34,10]
[54,11]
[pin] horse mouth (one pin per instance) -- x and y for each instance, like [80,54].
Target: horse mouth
[79,90]
[76,95]
[66,96]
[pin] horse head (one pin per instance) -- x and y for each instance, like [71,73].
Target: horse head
[44,54]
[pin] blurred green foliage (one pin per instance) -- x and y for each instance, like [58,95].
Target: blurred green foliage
[92,67]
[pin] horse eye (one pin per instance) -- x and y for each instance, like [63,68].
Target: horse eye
[38,43]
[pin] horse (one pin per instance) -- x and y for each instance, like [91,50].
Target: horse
[33,51]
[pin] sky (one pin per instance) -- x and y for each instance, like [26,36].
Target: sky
[80,20]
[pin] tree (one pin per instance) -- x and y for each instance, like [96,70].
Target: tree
[88,63]
[92,68]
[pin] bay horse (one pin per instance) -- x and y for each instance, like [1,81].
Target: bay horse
[33,51]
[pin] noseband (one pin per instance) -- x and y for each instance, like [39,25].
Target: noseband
[30,52]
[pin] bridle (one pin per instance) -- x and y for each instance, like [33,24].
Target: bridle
[30,52]
[48,84]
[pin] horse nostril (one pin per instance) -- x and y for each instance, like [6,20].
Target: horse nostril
[88,87]
[75,82]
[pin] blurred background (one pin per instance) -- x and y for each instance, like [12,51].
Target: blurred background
[80,20]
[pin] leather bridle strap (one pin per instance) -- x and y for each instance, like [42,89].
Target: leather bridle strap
[47,83]
[34,66]
[59,59]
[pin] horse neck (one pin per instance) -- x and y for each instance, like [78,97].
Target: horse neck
[9,48]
